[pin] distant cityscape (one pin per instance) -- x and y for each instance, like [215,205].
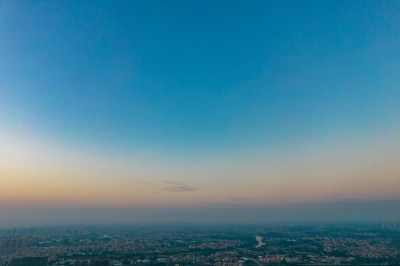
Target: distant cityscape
[372,244]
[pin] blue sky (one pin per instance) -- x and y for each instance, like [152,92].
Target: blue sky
[200,74]
[205,91]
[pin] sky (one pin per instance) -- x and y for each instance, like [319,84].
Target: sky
[199,108]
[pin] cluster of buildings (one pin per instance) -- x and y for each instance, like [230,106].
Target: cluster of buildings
[194,246]
[363,248]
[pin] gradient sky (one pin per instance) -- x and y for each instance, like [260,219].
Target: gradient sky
[189,104]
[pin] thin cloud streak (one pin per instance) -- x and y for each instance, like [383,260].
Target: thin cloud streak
[179,188]
[171,186]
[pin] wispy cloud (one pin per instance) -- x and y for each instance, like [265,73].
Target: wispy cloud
[179,188]
[162,184]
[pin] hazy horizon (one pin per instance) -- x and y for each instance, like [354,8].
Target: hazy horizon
[343,212]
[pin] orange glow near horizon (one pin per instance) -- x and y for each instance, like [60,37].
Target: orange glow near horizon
[30,175]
